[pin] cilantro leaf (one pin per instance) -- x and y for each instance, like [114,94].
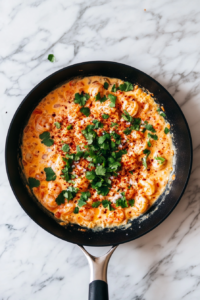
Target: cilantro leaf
[149,127]
[161,113]
[127,117]
[90,175]
[113,124]
[122,201]
[70,193]
[166,130]
[103,190]
[83,199]
[144,162]
[98,124]
[98,97]
[57,124]
[100,170]
[81,99]
[106,85]
[69,127]
[126,86]
[33,182]
[107,203]
[112,100]
[136,124]
[96,204]
[131,202]
[50,174]
[76,210]
[127,131]
[149,143]
[51,57]
[85,111]
[147,152]
[45,139]
[114,88]
[160,160]
[105,116]
[65,148]
[60,199]
[153,136]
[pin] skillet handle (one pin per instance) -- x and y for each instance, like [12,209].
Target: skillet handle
[98,287]
[98,290]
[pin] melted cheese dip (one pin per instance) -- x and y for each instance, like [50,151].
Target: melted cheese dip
[123,160]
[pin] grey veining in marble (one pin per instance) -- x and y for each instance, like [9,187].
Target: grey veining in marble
[161,38]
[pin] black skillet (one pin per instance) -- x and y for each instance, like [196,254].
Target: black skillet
[98,289]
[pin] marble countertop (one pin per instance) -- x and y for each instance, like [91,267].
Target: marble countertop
[161,38]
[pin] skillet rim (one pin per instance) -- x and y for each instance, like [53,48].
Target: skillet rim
[160,86]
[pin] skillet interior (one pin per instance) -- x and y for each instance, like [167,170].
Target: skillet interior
[161,208]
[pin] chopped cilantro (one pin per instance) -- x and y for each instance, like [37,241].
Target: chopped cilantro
[113,124]
[98,97]
[126,86]
[46,140]
[114,88]
[131,202]
[106,85]
[98,124]
[65,148]
[50,174]
[147,152]
[70,193]
[144,162]
[96,204]
[160,160]
[161,113]
[149,127]
[100,170]
[112,100]
[136,124]
[127,131]
[57,124]
[129,186]
[131,172]
[69,127]
[85,111]
[90,175]
[60,199]
[105,116]
[166,130]
[81,99]
[107,203]
[122,201]
[153,136]
[127,117]
[149,143]
[33,182]
[83,199]
[51,57]
[76,210]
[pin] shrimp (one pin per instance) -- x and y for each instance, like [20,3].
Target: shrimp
[42,124]
[96,88]
[140,206]
[129,104]
[87,213]
[116,217]
[40,176]
[54,188]
[129,160]
[149,186]
[49,200]
[29,157]
[159,165]
[82,183]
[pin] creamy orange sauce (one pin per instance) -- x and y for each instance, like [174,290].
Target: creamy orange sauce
[144,167]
